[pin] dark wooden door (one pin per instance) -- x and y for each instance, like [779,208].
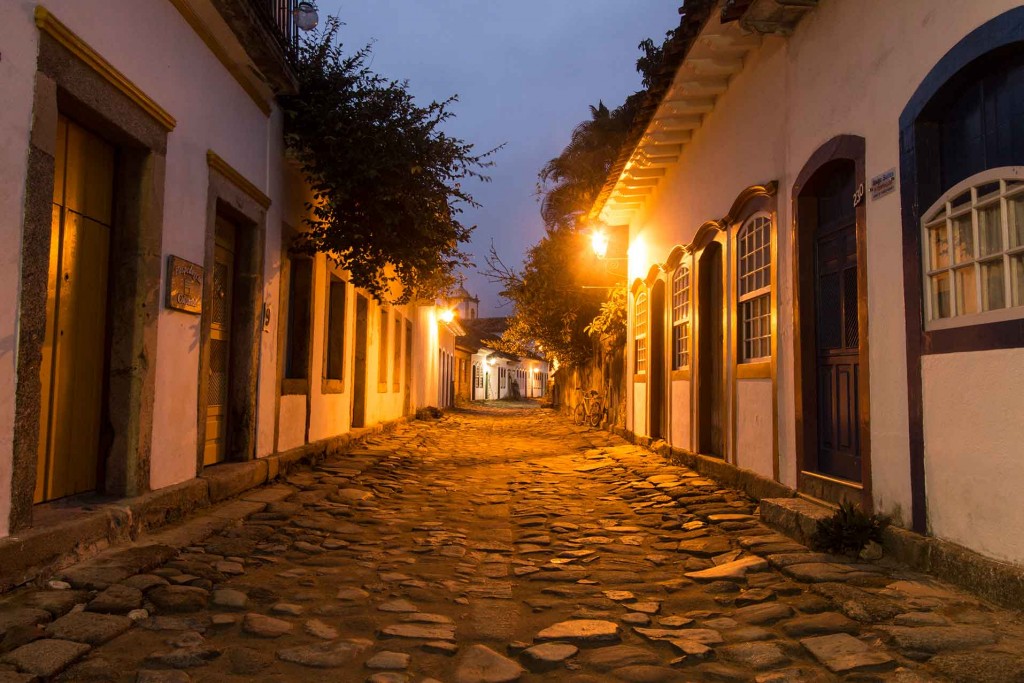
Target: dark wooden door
[656,361]
[710,388]
[218,377]
[837,337]
[407,399]
[359,376]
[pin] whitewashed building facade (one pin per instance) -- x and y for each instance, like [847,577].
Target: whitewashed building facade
[825,210]
[156,327]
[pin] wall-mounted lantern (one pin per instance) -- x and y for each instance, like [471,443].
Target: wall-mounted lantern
[306,17]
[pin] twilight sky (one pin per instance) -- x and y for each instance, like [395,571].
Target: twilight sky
[525,72]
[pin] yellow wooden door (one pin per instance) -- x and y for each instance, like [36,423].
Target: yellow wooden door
[218,379]
[75,339]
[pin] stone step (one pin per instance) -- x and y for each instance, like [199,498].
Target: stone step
[795,517]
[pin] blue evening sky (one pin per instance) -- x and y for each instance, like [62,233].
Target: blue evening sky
[525,72]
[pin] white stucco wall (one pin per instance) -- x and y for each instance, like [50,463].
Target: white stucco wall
[163,57]
[754,426]
[17,82]
[640,408]
[974,443]
[426,353]
[156,49]
[292,425]
[679,410]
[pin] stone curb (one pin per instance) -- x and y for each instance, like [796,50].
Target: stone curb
[63,535]
[784,511]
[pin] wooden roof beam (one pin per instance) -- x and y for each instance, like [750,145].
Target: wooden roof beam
[631,191]
[674,119]
[667,137]
[644,173]
[688,106]
[661,150]
[697,86]
[731,43]
[627,181]
[714,66]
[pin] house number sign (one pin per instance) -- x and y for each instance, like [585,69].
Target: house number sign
[184,285]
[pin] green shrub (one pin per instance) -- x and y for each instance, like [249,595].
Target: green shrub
[848,530]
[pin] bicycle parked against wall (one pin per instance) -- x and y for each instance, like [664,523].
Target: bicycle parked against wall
[589,410]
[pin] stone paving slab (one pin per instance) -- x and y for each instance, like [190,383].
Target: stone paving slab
[500,543]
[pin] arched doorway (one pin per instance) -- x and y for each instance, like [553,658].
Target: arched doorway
[833,435]
[710,384]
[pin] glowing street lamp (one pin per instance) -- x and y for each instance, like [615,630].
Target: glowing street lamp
[599,242]
[447,315]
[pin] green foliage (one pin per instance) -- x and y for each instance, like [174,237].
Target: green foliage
[386,180]
[610,322]
[848,530]
[649,63]
[552,309]
[569,183]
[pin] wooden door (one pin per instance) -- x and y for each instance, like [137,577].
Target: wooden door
[407,399]
[710,341]
[359,376]
[837,337]
[75,339]
[656,361]
[218,378]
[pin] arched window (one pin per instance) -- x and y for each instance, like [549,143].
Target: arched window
[755,288]
[973,239]
[681,318]
[640,334]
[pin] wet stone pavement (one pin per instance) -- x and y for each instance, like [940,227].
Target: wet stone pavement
[497,544]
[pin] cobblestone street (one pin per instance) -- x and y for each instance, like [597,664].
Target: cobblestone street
[497,544]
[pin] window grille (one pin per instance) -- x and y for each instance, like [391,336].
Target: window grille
[974,251]
[334,357]
[755,289]
[300,294]
[681,318]
[640,334]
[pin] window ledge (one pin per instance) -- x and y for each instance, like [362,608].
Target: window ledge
[680,374]
[755,370]
[640,378]
[332,386]
[996,316]
[294,387]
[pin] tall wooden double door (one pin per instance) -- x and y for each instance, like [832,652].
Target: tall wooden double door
[75,342]
[218,380]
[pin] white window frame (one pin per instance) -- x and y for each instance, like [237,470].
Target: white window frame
[940,216]
[640,333]
[681,317]
[751,261]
